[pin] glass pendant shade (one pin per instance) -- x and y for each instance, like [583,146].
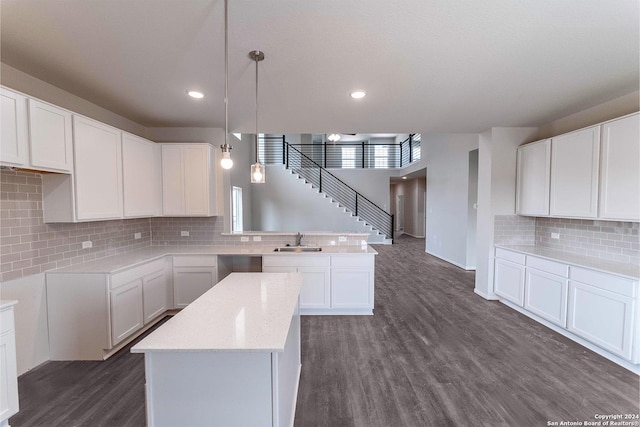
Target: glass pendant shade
[226,161]
[257,173]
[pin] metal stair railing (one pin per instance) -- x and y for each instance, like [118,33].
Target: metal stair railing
[338,190]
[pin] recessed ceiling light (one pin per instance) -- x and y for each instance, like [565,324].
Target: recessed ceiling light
[195,94]
[357,94]
[404,177]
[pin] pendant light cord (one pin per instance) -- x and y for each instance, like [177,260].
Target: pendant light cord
[226,74]
[257,161]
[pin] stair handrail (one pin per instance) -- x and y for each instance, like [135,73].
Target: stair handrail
[386,214]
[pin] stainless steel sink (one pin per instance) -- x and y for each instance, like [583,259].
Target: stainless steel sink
[298,249]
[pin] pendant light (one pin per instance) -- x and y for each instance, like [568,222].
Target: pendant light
[226,161]
[257,170]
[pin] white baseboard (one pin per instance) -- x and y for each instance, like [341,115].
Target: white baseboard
[464,267]
[490,297]
[413,235]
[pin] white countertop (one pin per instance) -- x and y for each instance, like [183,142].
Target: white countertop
[621,269]
[4,303]
[116,263]
[244,312]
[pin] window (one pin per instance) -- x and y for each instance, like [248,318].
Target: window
[416,144]
[380,156]
[261,148]
[236,209]
[349,157]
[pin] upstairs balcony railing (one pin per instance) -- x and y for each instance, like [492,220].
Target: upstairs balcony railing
[345,155]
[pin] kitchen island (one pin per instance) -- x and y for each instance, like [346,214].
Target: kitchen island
[231,358]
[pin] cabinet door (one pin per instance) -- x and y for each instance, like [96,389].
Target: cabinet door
[546,296]
[508,281]
[620,169]
[574,174]
[98,169]
[126,311]
[154,295]
[602,317]
[8,366]
[140,176]
[533,180]
[196,179]
[316,287]
[172,180]
[191,282]
[50,137]
[351,288]
[13,124]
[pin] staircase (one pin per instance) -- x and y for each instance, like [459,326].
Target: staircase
[377,222]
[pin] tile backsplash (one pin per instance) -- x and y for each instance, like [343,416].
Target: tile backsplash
[29,246]
[609,240]
[514,230]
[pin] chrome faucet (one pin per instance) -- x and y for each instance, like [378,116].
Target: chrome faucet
[299,239]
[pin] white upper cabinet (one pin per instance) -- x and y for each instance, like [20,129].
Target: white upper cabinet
[13,125]
[191,181]
[141,177]
[620,169]
[50,137]
[534,171]
[574,174]
[98,170]
[35,135]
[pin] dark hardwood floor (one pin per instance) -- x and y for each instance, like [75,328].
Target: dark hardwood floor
[434,354]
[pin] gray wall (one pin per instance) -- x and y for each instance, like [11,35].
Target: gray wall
[286,203]
[447,158]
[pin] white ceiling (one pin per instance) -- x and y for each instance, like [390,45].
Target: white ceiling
[427,65]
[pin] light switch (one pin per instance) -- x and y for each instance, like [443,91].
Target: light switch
[184,233]
[87,244]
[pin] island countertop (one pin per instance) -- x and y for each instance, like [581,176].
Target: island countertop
[249,312]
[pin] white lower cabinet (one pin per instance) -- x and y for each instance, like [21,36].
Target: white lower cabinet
[352,281]
[155,295]
[316,279]
[546,292]
[126,310]
[331,284]
[602,311]
[89,314]
[9,403]
[192,277]
[599,307]
[509,276]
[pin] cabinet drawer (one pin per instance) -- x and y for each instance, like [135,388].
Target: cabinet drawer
[296,261]
[548,266]
[6,320]
[516,257]
[195,261]
[608,282]
[124,277]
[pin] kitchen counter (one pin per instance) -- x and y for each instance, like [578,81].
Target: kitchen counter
[612,267]
[244,312]
[4,303]
[124,261]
